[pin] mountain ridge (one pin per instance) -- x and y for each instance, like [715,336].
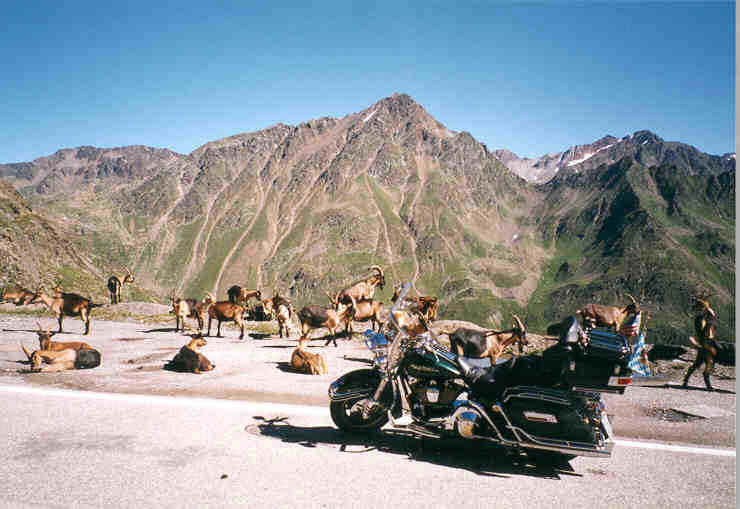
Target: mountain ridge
[308,208]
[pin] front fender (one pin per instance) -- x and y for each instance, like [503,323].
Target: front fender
[358,383]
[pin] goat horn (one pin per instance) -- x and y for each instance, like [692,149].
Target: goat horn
[518,321]
[633,299]
[26,351]
[377,267]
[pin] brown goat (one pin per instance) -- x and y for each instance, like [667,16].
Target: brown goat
[705,342]
[189,359]
[61,360]
[306,362]
[190,308]
[45,342]
[226,311]
[365,310]
[239,295]
[315,317]
[487,343]
[67,304]
[427,306]
[19,297]
[364,288]
[597,315]
[282,309]
[115,283]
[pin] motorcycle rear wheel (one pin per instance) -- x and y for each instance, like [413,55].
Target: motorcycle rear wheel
[340,414]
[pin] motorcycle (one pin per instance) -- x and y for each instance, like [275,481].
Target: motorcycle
[549,404]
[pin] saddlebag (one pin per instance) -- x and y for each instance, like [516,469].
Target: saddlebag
[549,413]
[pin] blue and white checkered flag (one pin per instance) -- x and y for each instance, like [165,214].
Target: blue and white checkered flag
[637,363]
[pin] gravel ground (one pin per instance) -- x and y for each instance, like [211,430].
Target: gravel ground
[139,339]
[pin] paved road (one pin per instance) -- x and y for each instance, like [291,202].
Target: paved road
[65,448]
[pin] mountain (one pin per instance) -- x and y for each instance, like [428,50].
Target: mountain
[307,209]
[643,146]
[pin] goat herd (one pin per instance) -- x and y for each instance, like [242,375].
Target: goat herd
[354,303]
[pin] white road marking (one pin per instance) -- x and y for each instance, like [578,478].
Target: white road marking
[281,408]
[676,448]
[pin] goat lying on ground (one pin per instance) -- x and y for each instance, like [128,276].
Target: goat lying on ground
[45,342]
[306,362]
[189,359]
[61,360]
[225,311]
[315,317]
[597,315]
[487,343]
[19,297]
[115,283]
[67,304]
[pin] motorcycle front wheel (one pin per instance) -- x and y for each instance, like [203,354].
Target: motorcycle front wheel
[353,422]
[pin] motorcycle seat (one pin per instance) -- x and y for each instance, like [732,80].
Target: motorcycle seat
[475,362]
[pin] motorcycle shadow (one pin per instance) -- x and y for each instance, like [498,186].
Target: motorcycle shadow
[481,459]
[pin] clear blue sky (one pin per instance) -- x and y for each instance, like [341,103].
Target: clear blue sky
[534,78]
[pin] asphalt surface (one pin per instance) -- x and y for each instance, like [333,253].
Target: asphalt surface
[84,449]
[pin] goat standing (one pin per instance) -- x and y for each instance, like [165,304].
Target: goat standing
[315,317]
[225,311]
[487,343]
[597,315]
[67,304]
[705,343]
[115,283]
[364,288]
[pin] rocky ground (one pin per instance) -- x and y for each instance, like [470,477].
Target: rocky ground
[137,339]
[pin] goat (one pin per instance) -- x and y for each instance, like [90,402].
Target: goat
[237,295]
[487,343]
[61,360]
[315,317]
[267,310]
[597,315]
[708,349]
[115,283]
[67,304]
[661,352]
[45,342]
[19,297]
[427,306]
[189,359]
[226,311]
[364,288]
[306,362]
[365,309]
[190,308]
[282,309]
[181,310]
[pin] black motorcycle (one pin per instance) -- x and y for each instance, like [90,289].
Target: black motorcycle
[548,404]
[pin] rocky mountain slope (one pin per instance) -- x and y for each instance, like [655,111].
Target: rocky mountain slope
[307,209]
[643,146]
